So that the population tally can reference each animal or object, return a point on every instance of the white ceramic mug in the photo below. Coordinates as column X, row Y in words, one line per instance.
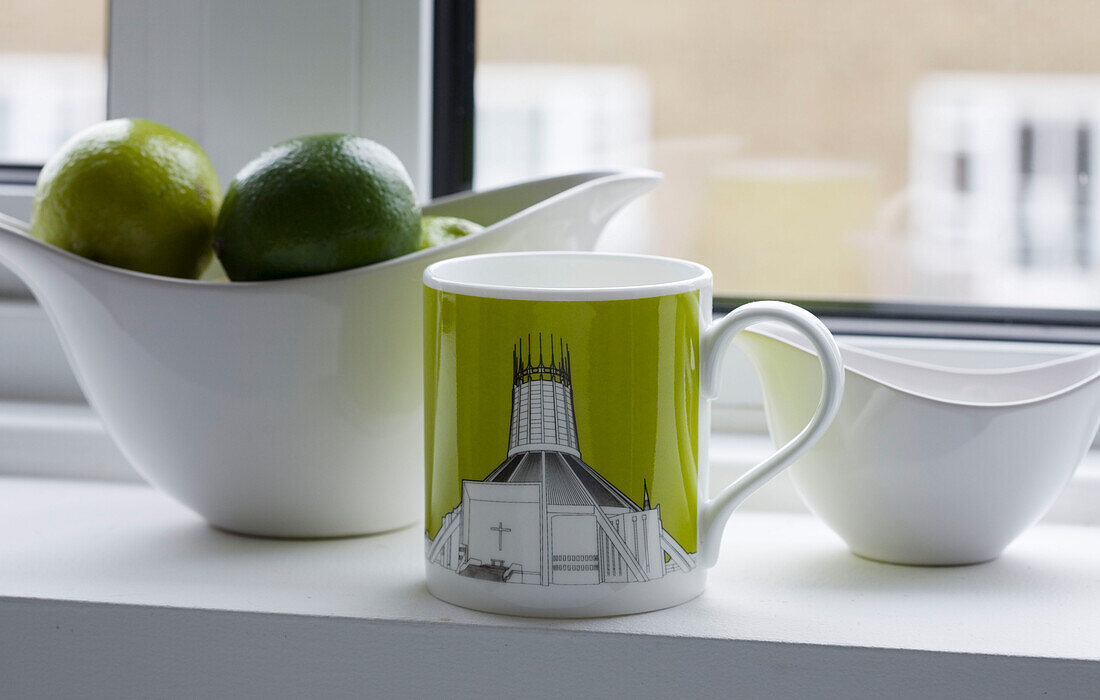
column 566, row 427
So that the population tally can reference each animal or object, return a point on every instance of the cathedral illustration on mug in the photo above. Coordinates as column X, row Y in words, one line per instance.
column 544, row 516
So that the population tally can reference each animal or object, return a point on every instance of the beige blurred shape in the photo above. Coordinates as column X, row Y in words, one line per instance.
column 788, row 226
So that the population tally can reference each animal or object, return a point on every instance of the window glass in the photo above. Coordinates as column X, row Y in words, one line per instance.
column 53, row 74
column 932, row 150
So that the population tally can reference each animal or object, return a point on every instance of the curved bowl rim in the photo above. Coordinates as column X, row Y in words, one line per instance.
column 597, row 177
column 950, row 370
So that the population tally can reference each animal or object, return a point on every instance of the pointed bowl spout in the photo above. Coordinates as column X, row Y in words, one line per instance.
column 289, row 408
column 927, row 464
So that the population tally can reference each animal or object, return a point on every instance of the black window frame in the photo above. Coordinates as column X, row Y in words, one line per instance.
column 453, row 62
column 19, row 174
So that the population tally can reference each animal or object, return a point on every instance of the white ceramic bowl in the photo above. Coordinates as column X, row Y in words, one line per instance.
column 289, row 408
column 930, row 465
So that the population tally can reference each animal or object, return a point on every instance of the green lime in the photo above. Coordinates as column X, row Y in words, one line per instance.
column 130, row 193
column 316, row 204
column 438, row 230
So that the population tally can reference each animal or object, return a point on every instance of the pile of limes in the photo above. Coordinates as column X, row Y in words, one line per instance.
column 139, row 195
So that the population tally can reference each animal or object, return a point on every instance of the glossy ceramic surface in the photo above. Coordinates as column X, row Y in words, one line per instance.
column 289, row 408
column 567, row 421
column 931, row 465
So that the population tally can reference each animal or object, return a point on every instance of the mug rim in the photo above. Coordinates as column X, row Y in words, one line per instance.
column 694, row 276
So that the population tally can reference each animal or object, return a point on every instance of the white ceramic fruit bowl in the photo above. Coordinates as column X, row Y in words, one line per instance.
column 925, row 464
column 289, row 408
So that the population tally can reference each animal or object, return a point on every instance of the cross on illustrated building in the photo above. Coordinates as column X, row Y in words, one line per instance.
column 544, row 516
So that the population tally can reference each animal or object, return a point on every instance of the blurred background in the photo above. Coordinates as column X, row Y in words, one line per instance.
column 887, row 150
column 933, row 150
column 53, row 75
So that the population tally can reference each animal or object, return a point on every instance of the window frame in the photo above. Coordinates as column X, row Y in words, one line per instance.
column 945, row 321
column 13, row 174
column 454, row 62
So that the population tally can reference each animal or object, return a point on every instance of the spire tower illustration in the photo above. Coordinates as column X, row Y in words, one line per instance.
column 542, row 402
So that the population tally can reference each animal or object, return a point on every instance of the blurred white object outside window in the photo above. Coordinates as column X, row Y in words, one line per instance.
column 1003, row 196
column 545, row 119
column 44, row 99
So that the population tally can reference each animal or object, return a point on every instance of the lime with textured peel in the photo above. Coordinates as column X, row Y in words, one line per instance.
column 316, row 204
column 130, row 193
column 438, row 230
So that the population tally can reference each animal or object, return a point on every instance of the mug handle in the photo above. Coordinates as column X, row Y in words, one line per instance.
column 715, row 340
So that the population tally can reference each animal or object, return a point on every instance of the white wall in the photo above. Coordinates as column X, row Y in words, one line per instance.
column 239, row 76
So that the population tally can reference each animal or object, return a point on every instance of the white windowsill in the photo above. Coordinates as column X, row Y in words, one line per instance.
column 131, row 593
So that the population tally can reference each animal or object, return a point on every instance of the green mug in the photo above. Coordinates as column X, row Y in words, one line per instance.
column 566, row 406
